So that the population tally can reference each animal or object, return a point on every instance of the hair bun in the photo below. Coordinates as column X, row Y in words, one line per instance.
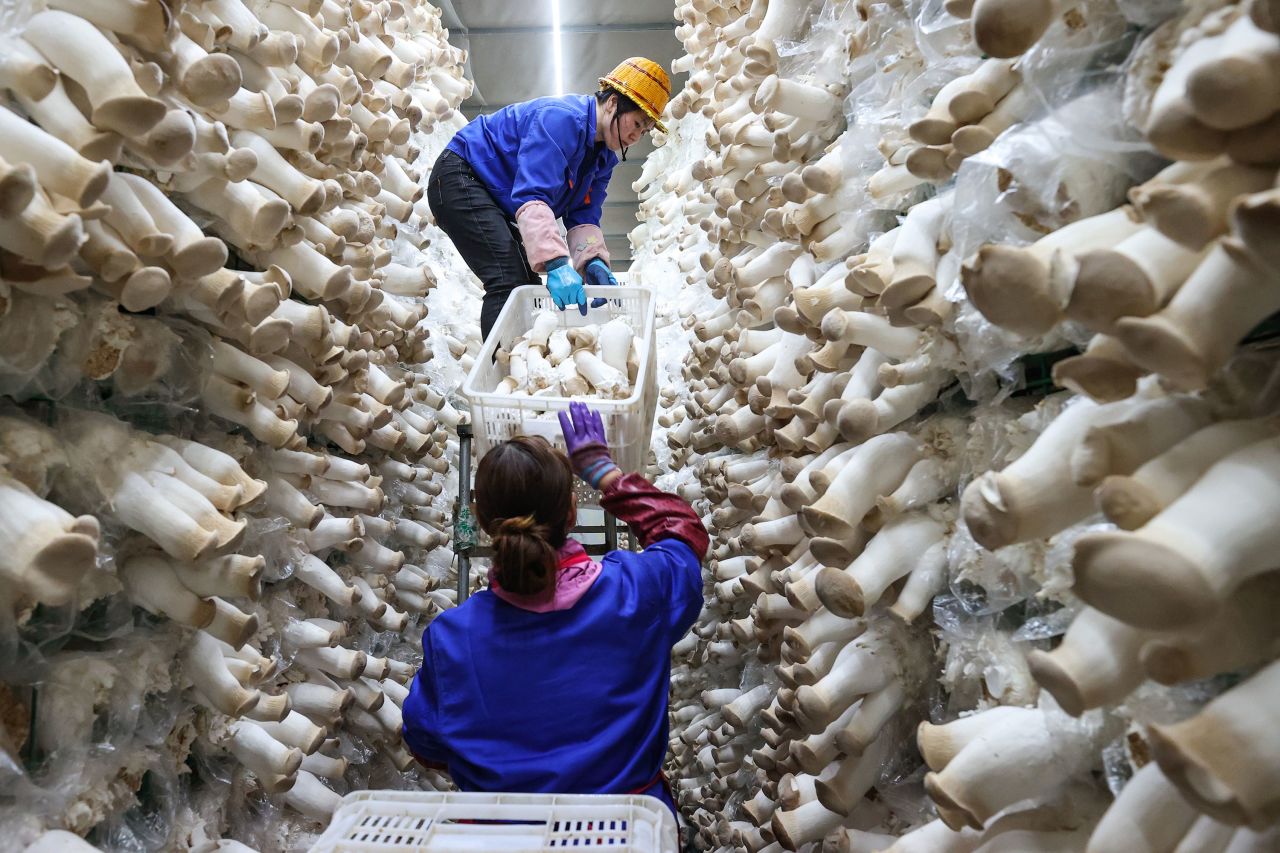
column 521, row 524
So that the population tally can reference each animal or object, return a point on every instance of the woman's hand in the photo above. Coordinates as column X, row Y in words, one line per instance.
column 585, row 440
column 598, row 273
column 565, row 285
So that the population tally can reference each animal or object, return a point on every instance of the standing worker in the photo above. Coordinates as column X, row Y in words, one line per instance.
column 555, row 679
column 502, row 182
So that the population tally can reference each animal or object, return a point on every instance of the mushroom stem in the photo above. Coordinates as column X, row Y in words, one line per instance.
column 1180, row 567
column 1222, row 759
column 1192, row 337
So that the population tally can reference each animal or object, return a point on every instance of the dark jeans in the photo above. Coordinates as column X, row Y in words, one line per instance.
column 487, row 240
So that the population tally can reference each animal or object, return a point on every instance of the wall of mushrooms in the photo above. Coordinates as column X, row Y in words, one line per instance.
column 945, row 614
column 225, row 432
column 950, row 606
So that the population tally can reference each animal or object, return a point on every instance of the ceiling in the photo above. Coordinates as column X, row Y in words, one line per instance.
column 510, row 60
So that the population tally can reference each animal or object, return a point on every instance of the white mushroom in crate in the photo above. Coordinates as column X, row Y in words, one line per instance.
column 593, row 360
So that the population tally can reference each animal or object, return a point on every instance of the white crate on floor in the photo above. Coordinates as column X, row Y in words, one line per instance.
column 431, row 821
column 627, row 423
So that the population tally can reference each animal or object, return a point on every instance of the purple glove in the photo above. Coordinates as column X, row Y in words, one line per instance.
column 585, row 441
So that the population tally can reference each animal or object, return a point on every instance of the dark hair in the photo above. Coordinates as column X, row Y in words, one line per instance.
column 524, row 501
column 625, row 104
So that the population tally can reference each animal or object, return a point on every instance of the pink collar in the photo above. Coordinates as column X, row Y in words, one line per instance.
column 576, row 575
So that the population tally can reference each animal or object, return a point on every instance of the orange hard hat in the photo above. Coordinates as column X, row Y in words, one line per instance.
column 643, row 81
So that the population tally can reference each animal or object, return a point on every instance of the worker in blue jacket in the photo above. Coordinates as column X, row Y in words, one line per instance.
column 555, row 679
column 504, row 179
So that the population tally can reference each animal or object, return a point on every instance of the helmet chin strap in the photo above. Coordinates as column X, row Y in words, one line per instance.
column 617, row 131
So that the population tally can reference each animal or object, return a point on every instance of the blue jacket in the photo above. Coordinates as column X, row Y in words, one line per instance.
column 541, row 150
column 567, row 701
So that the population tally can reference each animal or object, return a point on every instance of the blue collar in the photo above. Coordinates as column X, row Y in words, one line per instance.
column 591, row 119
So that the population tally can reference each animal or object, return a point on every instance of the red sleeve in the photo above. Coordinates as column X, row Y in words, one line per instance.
column 653, row 514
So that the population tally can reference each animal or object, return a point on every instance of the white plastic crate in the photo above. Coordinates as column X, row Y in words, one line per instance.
column 430, row 821
column 627, row 423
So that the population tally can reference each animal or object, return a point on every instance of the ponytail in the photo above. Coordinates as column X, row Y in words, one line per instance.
column 526, row 560
column 524, row 501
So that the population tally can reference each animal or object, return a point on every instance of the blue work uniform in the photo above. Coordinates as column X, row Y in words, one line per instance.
column 567, row 701
column 541, row 150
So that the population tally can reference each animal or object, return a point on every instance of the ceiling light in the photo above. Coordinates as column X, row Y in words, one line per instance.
column 555, row 47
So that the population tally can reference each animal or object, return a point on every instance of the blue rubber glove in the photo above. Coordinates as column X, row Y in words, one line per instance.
column 598, row 273
column 565, row 285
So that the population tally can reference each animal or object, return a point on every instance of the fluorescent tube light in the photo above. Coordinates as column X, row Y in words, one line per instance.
column 555, row 47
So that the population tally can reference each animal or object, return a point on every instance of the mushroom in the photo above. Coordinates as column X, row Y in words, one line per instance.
column 118, row 103
column 1216, row 759
column 1204, row 545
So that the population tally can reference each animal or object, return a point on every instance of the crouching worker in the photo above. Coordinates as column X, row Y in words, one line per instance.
column 504, row 179
column 555, row 679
